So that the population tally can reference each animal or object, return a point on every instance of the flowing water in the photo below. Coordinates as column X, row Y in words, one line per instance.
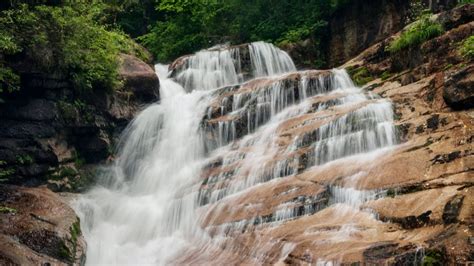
column 231, row 121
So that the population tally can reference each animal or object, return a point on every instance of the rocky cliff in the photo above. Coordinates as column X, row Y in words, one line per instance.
column 361, row 24
column 48, row 131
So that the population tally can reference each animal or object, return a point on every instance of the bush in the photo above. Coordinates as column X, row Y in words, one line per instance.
column 467, row 47
column 420, row 31
column 65, row 40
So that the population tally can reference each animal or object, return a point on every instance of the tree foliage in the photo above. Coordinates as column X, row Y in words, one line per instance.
column 184, row 26
column 66, row 39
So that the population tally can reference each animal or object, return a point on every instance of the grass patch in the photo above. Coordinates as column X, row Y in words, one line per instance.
column 4, row 209
column 420, row 31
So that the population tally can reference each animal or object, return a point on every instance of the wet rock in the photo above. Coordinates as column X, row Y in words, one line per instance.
column 139, row 78
column 458, row 91
column 446, row 158
column 411, row 222
column 379, row 252
column 452, row 209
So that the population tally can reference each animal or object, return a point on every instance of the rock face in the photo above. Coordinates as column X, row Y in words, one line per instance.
column 49, row 130
column 458, row 91
column 38, row 228
column 361, row 24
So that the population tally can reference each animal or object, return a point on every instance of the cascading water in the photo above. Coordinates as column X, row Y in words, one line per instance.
column 233, row 120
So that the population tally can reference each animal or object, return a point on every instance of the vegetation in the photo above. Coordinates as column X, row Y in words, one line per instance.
column 7, row 210
column 360, row 76
column 185, row 26
column 467, row 47
column 463, row 2
column 64, row 40
column 5, row 171
column 420, row 31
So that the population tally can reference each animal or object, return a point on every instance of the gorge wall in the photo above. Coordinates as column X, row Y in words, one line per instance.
column 355, row 27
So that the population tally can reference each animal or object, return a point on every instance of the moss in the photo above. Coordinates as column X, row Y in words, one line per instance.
column 386, row 75
column 360, row 75
column 75, row 231
column 433, row 257
column 64, row 253
column 467, row 47
column 4, row 209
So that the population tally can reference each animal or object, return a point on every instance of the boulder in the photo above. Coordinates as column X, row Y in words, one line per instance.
column 458, row 91
column 38, row 228
column 139, row 78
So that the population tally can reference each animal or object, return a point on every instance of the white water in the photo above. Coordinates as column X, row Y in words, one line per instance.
column 145, row 208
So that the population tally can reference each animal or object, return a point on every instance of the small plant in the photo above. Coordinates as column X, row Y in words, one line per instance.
column 467, row 47
column 420, row 31
column 78, row 159
column 5, row 172
column 24, row 159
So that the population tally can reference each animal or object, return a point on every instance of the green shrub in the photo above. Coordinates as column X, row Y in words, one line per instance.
column 467, row 47
column 420, row 31
column 67, row 40
column 9, row 80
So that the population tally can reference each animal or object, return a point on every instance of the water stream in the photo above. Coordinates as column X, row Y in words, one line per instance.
column 229, row 110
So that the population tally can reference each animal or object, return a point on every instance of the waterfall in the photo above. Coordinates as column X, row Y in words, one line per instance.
column 232, row 121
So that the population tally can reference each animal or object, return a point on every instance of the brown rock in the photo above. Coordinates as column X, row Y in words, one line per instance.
column 139, row 78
